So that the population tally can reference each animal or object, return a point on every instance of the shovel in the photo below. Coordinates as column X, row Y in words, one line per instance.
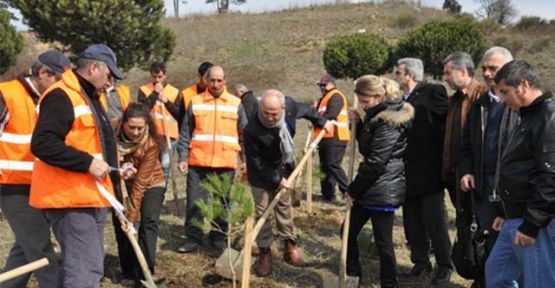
column 129, row 232
column 30, row 267
column 170, row 152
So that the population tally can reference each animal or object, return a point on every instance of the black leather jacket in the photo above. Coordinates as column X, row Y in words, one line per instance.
column 527, row 176
column 382, row 140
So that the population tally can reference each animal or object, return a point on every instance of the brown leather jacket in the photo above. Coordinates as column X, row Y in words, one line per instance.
column 149, row 174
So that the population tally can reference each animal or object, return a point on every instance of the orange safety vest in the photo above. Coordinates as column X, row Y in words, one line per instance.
column 215, row 139
column 54, row 187
column 159, row 111
column 342, row 120
column 188, row 94
column 123, row 93
column 16, row 159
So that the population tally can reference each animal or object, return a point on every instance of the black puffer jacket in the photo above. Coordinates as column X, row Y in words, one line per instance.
column 526, row 183
column 382, row 140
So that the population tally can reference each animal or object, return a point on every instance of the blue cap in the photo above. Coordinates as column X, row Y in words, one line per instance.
column 54, row 60
column 104, row 54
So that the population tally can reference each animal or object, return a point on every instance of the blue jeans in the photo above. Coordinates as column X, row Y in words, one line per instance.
column 535, row 263
column 165, row 160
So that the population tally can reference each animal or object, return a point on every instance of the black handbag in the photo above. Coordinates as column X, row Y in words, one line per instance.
column 469, row 250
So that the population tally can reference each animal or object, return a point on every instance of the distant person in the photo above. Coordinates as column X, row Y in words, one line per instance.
column 333, row 106
column 424, row 214
column 114, row 98
column 248, row 100
column 270, row 152
column 185, row 96
column 18, row 101
column 209, row 143
column 140, row 144
column 75, row 146
column 379, row 186
column 488, row 127
column 525, row 247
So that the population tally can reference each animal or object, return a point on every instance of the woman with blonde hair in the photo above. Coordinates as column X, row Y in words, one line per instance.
column 379, row 186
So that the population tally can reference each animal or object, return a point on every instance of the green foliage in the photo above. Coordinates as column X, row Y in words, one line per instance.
column 354, row 55
column 435, row 40
column 229, row 201
column 11, row 43
column 405, row 21
column 452, row 6
column 130, row 27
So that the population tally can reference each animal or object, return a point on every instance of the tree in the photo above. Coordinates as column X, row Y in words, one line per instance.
column 130, row 27
column 501, row 11
column 435, row 40
column 354, row 55
column 11, row 44
column 223, row 5
column 452, row 6
column 229, row 201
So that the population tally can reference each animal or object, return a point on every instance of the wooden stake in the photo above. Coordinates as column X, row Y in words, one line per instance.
column 170, row 152
column 247, row 253
column 27, row 268
column 308, row 179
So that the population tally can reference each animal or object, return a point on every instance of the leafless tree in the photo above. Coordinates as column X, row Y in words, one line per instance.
column 502, row 11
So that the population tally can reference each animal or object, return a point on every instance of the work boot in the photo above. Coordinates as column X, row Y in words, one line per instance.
column 188, row 246
column 264, row 264
column 291, row 254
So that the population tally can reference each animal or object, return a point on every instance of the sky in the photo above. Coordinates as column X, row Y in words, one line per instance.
column 541, row 8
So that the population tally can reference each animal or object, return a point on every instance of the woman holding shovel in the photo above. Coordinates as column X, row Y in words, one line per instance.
column 379, row 186
column 140, row 144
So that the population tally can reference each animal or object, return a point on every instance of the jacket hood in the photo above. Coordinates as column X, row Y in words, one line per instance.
column 396, row 114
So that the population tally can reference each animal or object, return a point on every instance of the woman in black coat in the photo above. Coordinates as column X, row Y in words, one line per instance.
column 379, row 187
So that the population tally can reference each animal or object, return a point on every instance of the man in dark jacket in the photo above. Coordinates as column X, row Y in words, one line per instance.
column 270, row 153
column 248, row 100
column 526, row 242
column 424, row 211
column 488, row 127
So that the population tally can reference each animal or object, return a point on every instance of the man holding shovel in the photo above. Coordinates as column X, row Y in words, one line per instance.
column 75, row 147
column 270, row 155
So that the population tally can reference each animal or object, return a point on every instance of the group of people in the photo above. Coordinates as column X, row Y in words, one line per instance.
column 72, row 139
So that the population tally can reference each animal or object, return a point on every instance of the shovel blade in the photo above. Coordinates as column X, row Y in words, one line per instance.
column 149, row 283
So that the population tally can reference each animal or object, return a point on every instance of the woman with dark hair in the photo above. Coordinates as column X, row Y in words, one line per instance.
column 379, row 187
column 140, row 145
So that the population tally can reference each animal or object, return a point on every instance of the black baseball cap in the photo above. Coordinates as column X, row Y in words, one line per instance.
column 325, row 80
column 54, row 60
column 104, row 54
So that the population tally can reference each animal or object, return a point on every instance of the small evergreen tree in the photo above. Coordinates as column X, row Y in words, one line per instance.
column 452, row 6
column 230, row 201
column 130, row 27
column 354, row 55
column 435, row 40
column 11, row 43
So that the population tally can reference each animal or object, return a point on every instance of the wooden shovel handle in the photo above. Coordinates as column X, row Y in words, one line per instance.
column 35, row 265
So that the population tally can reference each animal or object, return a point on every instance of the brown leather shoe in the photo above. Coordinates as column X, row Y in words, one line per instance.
column 291, row 254
column 264, row 264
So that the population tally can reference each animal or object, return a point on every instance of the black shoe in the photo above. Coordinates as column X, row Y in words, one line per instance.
column 420, row 268
column 443, row 275
column 188, row 246
column 219, row 244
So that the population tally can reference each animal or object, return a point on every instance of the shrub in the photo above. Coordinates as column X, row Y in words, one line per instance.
column 530, row 22
column 11, row 43
column 354, row 55
column 435, row 40
column 405, row 21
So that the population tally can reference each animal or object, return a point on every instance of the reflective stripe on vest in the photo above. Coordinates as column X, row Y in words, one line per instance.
column 215, row 139
column 54, row 187
column 16, row 159
column 342, row 120
column 159, row 111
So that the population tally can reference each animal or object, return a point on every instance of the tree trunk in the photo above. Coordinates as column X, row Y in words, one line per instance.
column 176, row 8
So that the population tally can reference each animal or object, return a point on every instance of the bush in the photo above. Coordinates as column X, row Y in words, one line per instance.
column 11, row 43
column 530, row 22
column 354, row 55
column 435, row 40
column 405, row 21
column 539, row 45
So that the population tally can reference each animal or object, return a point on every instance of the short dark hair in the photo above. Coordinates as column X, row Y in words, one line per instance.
column 517, row 70
column 461, row 60
column 203, row 67
column 156, row 67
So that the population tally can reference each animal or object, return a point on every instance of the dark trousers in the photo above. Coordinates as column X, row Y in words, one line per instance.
column 32, row 238
column 148, row 235
column 331, row 156
column 80, row 232
column 425, row 218
column 382, row 225
column 194, row 193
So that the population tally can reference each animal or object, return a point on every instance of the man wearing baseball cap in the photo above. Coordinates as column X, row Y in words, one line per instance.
column 18, row 99
column 333, row 106
column 75, row 147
